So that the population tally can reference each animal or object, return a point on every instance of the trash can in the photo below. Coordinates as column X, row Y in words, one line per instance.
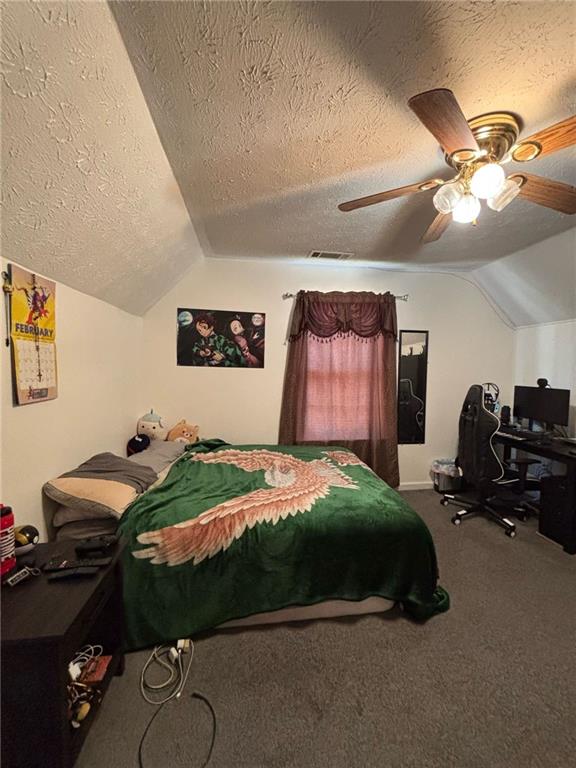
column 446, row 475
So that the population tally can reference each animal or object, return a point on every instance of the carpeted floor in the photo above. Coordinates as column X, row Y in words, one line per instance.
column 490, row 684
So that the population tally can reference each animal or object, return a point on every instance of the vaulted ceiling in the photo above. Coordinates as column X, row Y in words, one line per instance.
column 273, row 113
column 138, row 139
column 89, row 197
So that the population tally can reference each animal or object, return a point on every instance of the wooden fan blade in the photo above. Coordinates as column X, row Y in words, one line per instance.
column 551, row 194
column 439, row 111
column 437, row 228
column 551, row 139
column 390, row 194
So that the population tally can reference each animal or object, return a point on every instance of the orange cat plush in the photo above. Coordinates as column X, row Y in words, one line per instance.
column 183, row 432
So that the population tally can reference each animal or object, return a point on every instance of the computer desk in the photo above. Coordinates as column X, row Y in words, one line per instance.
column 557, row 450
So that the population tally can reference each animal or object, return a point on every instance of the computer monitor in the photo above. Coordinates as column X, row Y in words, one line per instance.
column 548, row 405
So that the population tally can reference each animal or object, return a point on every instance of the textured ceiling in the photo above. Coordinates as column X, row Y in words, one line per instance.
column 272, row 113
column 89, row 197
column 247, row 123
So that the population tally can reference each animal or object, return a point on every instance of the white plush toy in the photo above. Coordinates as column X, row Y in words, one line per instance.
column 151, row 425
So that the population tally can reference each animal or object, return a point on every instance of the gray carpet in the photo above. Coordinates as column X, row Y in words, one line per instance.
column 491, row 683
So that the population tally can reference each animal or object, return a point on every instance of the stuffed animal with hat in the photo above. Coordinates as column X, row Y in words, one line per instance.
column 151, row 425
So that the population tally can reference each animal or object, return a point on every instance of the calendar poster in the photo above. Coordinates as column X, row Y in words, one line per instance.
column 33, row 335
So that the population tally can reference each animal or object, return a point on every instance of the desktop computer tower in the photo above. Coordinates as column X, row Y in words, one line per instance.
column 557, row 509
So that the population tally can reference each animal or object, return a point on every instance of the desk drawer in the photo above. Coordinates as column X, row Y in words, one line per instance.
column 557, row 509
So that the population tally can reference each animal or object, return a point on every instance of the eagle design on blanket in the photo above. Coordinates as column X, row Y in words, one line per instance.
column 295, row 486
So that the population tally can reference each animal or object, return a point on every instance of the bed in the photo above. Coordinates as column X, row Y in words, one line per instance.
column 256, row 533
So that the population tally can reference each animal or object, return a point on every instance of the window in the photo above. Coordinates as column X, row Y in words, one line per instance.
column 340, row 400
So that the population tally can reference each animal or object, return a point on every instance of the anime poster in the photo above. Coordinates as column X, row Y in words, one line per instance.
column 33, row 335
column 221, row 339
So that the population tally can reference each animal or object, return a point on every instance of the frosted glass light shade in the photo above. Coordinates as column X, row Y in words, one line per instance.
column 467, row 209
column 505, row 196
column 487, row 181
column 448, row 197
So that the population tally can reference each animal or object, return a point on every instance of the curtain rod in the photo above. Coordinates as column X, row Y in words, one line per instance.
column 404, row 296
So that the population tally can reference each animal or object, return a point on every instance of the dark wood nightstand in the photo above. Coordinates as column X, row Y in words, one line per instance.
column 44, row 625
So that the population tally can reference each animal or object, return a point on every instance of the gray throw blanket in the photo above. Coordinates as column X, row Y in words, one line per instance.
column 107, row 466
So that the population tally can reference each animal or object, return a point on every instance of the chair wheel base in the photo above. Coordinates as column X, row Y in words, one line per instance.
column 456, row 520
column 444, row 502
column 511, row 532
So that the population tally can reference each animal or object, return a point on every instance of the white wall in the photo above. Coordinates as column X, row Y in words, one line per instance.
column 468, row 344
column 99, row 350
column 549, row 351
column 113, row 366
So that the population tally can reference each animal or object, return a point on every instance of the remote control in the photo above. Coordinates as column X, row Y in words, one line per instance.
column 59, row 564
column 75, row 573
column 98, row 544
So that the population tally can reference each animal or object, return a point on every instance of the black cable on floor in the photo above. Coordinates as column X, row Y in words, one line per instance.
column 194, row 695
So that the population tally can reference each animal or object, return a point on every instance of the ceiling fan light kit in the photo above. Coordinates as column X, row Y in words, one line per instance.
column 487, row 180
column 448, row 197
column 467, row 209
column 479, row 180
column 510, row 189
column 475, row 149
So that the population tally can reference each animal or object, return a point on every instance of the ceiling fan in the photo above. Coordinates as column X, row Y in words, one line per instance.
column 476, row 149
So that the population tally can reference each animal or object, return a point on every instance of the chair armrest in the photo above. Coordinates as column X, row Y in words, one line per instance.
column 523, row 461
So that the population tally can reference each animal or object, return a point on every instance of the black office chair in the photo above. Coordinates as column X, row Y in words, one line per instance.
column 483, row 472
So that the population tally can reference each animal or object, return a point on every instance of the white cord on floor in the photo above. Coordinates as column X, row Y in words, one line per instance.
column 175, row 683
column 169, row 657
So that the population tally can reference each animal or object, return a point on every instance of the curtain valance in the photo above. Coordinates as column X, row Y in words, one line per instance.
column 363, row 313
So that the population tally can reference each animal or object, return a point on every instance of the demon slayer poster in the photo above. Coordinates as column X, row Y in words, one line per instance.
column 219, row 339
column 33, row 335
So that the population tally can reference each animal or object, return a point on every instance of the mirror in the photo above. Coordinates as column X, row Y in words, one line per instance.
column 412, row 370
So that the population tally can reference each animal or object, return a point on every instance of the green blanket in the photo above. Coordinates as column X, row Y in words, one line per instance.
column 237, row 530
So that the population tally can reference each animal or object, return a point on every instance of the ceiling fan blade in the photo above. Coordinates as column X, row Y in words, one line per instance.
column 439, row 111
column 390, row 194
column 437, row 228
column 551, row 139
column 551, row 194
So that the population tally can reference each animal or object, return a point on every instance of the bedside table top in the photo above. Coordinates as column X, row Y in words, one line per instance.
column 38, row 609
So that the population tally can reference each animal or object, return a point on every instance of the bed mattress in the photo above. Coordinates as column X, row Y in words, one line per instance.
column 329, row 609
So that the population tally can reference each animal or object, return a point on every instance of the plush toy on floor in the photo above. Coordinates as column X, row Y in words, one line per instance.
column 183, row 432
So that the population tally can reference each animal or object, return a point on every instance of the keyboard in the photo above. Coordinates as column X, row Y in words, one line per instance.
column 525, row 434
column 512, row 436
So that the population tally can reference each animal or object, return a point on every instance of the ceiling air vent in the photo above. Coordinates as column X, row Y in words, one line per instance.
column 332, row 255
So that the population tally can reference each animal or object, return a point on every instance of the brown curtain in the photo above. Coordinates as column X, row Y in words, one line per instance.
column 340, row 382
